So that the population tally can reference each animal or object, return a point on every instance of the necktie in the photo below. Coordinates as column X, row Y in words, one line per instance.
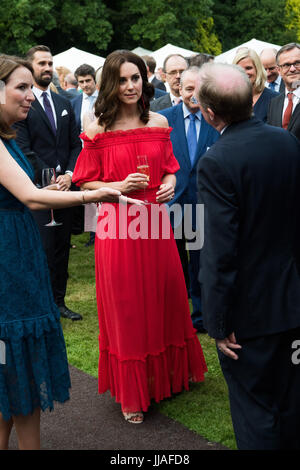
column 272, row 86
column 48, row 111
column 192, row 138
column 288, row 111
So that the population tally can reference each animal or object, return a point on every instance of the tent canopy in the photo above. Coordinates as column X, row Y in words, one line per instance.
column 258, row 46
column 141, row 51
column 73, row 58
column 160, row 54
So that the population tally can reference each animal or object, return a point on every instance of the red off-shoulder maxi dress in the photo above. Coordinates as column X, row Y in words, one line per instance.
column 148, row 346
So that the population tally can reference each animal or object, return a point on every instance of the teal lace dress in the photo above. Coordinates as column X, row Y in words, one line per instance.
column 33, row 361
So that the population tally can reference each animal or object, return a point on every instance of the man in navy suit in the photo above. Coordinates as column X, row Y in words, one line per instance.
column 49, row 136
column 179, row 118
column 250, row 261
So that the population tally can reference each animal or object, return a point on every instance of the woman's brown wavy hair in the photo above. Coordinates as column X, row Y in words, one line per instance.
column 107, row 103
column 8, row 64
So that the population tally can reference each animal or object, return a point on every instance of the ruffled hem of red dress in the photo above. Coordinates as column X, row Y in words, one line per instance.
column 130, row 132
column 134, row 383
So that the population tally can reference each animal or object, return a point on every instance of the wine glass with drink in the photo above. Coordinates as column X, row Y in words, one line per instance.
column 48, row 181
column 143, row 167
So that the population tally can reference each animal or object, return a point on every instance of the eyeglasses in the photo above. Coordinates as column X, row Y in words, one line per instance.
column 286, row 67
column 175, row 72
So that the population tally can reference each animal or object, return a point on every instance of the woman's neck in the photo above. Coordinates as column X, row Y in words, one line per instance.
column 128, row 117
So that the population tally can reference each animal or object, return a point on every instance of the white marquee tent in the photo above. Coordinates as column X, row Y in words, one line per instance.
column 258, row 46
column 73, row 57
column 160, row 54
column 141, row 51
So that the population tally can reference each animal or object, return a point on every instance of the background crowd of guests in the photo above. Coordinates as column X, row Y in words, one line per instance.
column 208, row 141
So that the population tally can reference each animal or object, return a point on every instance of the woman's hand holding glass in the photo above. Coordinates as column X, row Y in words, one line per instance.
column 134, row 182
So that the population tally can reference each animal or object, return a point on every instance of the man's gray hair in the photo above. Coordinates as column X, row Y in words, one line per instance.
column 227, row 91
column 194, row 69
column 286, row 47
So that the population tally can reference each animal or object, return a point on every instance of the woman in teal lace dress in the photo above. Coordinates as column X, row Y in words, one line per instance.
column 33, row 362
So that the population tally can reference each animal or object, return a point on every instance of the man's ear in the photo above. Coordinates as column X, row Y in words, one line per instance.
column 211, row 114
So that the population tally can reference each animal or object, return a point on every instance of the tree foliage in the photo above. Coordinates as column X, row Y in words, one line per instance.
column 238, row 21
column 100, row 26
column 292, row 19
column 24, row 23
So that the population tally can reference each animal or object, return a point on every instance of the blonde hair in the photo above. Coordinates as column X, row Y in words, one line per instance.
column 261, row 75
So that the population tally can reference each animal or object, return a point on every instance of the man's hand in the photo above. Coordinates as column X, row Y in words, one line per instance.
column 64, row 182
column 227, row 344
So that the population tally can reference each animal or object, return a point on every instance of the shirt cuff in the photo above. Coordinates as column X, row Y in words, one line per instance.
column 68, row 172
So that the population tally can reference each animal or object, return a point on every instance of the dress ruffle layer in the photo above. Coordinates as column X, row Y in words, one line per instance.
column 32, row 372
column 135, row 382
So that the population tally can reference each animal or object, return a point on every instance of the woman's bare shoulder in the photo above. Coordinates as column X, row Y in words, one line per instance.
column 93, row 129
column 157, row 120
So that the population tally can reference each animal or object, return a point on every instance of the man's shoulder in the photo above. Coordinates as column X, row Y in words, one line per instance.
column 161, row 102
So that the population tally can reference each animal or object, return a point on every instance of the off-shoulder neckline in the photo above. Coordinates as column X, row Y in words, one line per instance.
column 119, row 132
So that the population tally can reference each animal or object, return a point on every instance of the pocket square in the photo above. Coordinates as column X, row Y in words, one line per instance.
column 64, row 113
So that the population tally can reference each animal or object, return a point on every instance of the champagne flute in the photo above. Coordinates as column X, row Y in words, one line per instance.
column 143, row 167
column 49, row 179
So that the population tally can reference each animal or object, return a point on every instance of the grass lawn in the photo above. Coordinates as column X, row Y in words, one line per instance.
column 204, row 409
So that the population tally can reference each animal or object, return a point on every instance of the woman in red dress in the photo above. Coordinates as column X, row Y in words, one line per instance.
column 148, row 346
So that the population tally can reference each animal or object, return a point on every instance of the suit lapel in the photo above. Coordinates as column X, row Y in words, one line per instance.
column 202, row 140
column 278, row 110
column 58, row 111
column 294, row 116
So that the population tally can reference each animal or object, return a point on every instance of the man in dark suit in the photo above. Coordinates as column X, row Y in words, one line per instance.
column 250, row 262
column 173, row 67
column 49, row 135
column 274, row 80
column 83, row 103
column 284, row 110
column 151, row 66
column 70, row 86
column 188, row 148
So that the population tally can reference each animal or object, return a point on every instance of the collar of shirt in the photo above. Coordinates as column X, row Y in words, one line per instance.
column 38, row 92
column 296, row 92
column 85, row 96
column 187, row 112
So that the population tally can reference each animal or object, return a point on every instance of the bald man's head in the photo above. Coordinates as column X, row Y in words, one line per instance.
column 226, row 90
column 268, row 59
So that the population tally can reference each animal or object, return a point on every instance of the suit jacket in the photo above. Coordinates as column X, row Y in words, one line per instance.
column 71, row 93
column 158, row 93
column 249, row 184
column 186, row 177
column 77, row 104
column 158, row 84
column 275, row 115
column 161, row 103
column 37, row 139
